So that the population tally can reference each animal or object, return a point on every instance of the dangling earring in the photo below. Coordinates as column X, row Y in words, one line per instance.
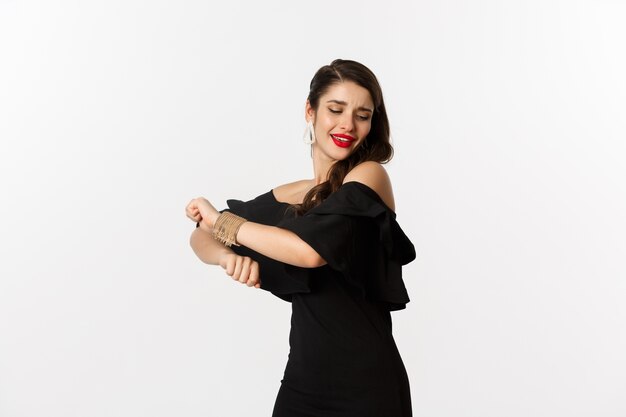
column 309, row 133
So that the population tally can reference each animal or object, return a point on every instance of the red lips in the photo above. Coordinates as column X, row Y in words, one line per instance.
column 345, row 142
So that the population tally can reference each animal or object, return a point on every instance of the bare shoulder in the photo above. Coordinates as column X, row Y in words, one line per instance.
column 292, row 192
column 375, row 176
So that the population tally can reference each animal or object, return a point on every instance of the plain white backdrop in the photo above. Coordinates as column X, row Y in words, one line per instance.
column 508, row 120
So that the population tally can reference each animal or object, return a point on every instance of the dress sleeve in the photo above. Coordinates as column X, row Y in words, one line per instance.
column 358, row 236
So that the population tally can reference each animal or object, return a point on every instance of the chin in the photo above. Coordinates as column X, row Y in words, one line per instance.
column 337, row 154
column 340, row 156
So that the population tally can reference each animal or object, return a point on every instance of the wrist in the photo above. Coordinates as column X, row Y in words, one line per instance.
column 213, row 218
column 202, row 224
column 226, row 227
column 208, row 222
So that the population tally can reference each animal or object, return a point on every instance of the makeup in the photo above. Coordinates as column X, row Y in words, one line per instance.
column 341, row 140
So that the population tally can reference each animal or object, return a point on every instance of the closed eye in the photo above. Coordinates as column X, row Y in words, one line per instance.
column 360, row 116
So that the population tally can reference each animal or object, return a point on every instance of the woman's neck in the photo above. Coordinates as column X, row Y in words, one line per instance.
column 321, row 166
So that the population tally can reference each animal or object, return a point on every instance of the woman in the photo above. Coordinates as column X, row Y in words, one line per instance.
column 332, row 247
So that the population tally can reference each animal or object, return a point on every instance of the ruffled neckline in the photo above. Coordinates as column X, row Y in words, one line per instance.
column 346, row 186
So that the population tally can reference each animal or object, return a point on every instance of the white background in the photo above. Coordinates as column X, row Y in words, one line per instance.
column 508, row 120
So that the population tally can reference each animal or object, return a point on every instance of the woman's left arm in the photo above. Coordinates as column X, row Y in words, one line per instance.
column 279, row 244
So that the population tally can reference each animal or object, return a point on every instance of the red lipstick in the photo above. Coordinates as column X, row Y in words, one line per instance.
column 341, row 140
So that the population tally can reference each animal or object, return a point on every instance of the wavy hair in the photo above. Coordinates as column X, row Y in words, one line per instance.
column 375, row 147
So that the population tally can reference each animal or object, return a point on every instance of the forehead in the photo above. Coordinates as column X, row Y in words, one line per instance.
column 349, row 92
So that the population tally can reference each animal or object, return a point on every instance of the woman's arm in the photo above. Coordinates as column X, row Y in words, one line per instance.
column 279, row 244
column 207, row 249
column 212, row 252
column 275, row 243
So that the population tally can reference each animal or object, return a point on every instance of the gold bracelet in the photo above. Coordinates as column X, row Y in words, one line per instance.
column 226, row 227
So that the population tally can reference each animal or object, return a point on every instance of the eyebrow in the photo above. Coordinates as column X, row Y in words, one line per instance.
column 344, row 103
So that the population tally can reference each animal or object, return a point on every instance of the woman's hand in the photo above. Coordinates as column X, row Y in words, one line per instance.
column 241, row 268
column 200, row 210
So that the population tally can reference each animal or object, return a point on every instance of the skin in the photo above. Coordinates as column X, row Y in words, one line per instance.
column 346, row 108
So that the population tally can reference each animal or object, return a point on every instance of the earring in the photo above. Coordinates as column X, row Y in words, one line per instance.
column 309, row 133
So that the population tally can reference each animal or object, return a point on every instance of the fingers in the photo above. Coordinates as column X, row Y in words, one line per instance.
column 231, row 262
column 200, row 210
column 192, row 211
column 239, row 267
column 243, row 269
column 253, row 279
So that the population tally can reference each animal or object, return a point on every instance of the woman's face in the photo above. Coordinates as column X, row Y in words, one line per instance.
column 342, row 120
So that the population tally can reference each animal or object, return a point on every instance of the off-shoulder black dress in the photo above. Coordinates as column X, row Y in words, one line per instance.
column 343, row 360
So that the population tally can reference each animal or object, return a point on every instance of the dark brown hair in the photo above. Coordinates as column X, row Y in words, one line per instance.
column 375, row 147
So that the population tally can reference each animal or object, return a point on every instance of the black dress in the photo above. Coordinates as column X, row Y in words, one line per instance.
column 343, row 360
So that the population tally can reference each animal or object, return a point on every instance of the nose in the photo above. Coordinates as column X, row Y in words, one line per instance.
column 347, row 122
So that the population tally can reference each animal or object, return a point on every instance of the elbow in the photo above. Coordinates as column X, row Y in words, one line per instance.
column 313, row 260
column 307, row 257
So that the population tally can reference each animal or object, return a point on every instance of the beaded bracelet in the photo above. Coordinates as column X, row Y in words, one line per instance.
column 226, row 227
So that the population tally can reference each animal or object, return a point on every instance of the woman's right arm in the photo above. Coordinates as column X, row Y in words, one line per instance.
column 212, row 252
column 207, row 249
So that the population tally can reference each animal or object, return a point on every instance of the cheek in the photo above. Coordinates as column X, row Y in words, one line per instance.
column 365, row 129
column 324, row 123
